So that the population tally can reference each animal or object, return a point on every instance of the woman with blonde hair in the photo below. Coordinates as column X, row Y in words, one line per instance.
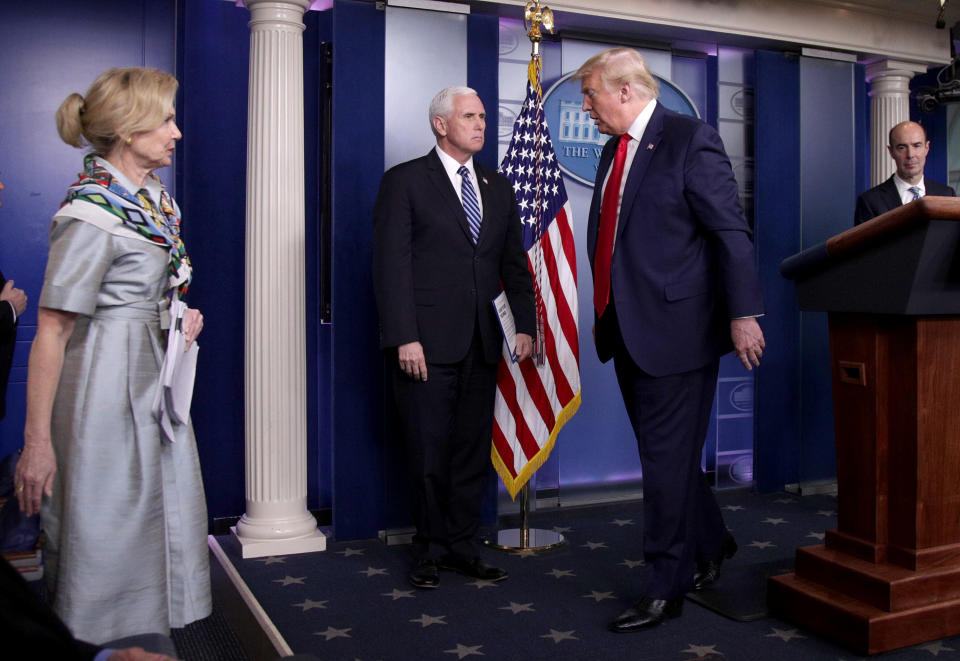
column 122, row 502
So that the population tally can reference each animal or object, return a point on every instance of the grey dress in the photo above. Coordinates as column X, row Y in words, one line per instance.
column 127, row 522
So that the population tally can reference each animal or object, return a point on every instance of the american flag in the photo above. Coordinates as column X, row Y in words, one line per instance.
column 535, row 398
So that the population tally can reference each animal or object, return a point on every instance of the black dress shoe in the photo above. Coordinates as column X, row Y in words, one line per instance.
column 473, row 567
column 425, row 574
column 647, row 613
column 708, row 572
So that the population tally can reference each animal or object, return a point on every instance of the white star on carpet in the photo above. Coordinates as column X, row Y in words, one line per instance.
column 632, row 563
column 481, row 583
column 817, row 535
column 786, row 635
column 560, row 573
column 373, row 571
column 462, row 651
column 773, row 521
column 559, row 636
column 762, row 545
column 733, row 508
column 622, row 522
column 398, row 594
column 593, row 546
column 826, row 512
column 289, row 580
column 785, row 501
column 561, row 529
column 346, row 553
column 270, row 560
column 598, row 596
column 308, row 604
column 515, row 608
column 332, row 633
column 936, row 647
column 426, row 620
column 700, row 650
column 526, row 553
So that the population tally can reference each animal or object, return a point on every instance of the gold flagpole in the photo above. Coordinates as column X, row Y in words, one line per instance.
column 525, row 538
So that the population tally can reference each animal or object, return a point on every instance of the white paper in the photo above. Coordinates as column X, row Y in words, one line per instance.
column 171, row 403
column 507, row 324
column 179, row 393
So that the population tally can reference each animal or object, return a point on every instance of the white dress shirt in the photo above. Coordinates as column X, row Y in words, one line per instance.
column 450, row 166
column 636, row 132
column 903, row 188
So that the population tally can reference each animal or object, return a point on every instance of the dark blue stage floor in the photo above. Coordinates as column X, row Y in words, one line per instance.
column 353, row 602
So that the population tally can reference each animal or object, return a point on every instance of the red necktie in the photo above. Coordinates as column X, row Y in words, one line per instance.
column 608, row 229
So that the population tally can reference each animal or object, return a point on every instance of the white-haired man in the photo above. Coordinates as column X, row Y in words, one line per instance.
column 447, row 233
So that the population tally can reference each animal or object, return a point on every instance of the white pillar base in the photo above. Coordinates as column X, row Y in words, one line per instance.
column 259, row 548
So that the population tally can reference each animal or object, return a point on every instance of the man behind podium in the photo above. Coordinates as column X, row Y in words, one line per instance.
column 447, row 233
column 675, row 287
column 909, row 148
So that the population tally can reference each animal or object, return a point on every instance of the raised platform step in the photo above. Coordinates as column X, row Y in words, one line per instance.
column 885, row 586
column 855, row 624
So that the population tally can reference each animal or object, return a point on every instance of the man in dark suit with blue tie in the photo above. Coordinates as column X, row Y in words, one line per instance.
column 908, row 148
column 12, row 304
column 675, row 287
column 447, row 233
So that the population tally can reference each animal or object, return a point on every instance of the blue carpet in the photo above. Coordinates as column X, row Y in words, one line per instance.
column 353, row 602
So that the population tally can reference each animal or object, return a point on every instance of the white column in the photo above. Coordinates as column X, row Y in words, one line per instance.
column 889, row 105
column 277, row 520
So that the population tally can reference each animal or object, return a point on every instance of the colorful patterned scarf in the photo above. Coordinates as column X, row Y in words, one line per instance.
column 98, row 186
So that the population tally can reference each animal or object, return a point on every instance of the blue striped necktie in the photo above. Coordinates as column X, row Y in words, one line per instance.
column 916, row 192
column 471, row 206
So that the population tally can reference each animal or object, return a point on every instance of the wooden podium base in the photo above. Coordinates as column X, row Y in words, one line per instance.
column 889, row 575
column 868, row 607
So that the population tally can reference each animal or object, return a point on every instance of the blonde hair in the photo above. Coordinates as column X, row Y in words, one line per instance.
column 618, row 66
column 119, row 104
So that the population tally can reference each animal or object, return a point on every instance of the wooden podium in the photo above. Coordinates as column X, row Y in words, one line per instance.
column 889, row 575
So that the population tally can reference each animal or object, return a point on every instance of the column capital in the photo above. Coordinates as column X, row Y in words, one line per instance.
column 277, row 12
column 884, row 67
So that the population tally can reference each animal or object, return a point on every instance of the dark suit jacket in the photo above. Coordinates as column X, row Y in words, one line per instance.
column 432, row 284
column 683, row 262
column 8, row 337
column 29, row 628
column 884, row 197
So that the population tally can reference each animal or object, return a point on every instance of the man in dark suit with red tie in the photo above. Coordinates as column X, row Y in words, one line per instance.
column 12, row 304
column 447, row 233
column 908, row 148
column 675, row 287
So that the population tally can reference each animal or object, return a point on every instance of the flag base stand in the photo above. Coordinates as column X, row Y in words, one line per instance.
column 525, row 538
column 518, row 539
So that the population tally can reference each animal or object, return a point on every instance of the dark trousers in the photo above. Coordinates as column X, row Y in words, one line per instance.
column 447, row 424
column 682, row 523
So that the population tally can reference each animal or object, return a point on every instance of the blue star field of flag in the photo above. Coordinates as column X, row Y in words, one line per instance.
column 531, row 166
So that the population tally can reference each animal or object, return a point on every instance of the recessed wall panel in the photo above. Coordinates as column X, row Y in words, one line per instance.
column 424, row 51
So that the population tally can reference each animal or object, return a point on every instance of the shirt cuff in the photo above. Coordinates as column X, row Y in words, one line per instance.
column 749, row 316
column 14, row 310
column 104, row 654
